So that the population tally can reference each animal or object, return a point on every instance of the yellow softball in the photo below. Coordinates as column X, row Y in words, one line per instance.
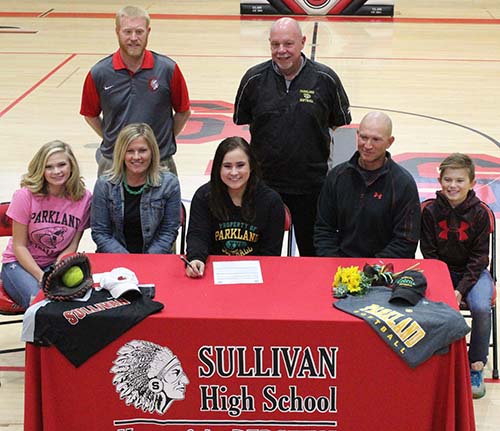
column 73, row 276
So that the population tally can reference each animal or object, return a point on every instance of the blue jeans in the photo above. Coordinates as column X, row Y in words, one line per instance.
column 479, row 302
column 19, row 284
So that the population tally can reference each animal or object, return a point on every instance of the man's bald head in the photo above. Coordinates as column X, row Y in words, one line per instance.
column 381, row 119
column 374, row 137
column 286, row 24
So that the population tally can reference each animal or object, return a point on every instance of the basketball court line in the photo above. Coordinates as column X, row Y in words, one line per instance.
column 326, row 57
column 336, row 18
column 12, row 31
column 34, row 87
column 314, row 43
column 44, row 14
column 11, row 369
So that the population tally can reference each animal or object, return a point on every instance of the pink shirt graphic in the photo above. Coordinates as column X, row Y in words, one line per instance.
column 52, row 223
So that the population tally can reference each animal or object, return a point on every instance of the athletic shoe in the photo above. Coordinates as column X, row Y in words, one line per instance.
column 477, row 382
column 7, row 305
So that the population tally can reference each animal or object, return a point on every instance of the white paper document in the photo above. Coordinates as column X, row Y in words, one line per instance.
column 237, row 272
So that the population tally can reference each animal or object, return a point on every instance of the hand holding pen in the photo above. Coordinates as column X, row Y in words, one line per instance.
column 195, row 268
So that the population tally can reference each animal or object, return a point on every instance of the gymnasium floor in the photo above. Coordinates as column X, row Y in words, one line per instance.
column 434, row 69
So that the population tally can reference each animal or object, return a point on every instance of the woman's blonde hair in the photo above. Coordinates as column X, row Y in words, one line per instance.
column 126, row 136
column 35, row 181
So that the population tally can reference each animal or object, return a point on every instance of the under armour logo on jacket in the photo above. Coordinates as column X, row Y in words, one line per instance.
column 462, row 234
column 377, row 195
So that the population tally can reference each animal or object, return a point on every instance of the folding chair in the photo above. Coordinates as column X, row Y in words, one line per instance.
column 289, row 229
column 493, row 272
column 7, row 305
column 183, row 228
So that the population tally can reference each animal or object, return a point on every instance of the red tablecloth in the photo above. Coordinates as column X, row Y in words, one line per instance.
column 286, row 360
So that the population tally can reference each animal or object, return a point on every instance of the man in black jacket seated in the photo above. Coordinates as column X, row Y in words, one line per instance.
column 369, row 205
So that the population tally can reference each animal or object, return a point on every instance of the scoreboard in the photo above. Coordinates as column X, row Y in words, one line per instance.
column 318, row 7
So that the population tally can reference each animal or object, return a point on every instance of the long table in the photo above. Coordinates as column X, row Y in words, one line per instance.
column 270, row 356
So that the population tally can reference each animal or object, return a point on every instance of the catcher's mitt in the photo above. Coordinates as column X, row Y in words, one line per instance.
column 56, row 289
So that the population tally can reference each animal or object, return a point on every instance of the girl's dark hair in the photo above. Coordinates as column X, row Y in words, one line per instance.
column 218, row 190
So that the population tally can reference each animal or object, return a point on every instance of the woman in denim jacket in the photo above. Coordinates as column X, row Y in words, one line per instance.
column 136, row 205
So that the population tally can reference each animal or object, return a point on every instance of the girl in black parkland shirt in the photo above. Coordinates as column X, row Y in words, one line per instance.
column 234, row 214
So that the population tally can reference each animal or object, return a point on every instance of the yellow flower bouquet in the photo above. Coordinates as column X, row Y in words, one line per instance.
column 353, row 281
column 350, row 280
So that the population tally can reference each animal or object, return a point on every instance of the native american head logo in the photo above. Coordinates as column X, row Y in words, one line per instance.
column 148, row 376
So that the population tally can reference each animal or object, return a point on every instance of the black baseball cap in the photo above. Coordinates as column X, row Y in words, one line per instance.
column 409, row 287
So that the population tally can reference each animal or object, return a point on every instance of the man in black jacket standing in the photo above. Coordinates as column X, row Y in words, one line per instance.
column 369, row 205
column 290, row 102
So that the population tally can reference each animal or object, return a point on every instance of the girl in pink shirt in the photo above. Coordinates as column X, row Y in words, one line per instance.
column 49, row 213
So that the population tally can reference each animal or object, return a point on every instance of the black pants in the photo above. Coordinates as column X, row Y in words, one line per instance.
column 303, row 210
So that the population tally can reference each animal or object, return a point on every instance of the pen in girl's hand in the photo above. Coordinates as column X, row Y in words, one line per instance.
column 187, row 263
